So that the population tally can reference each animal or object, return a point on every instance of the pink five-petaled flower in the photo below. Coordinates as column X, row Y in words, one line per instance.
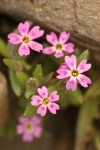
column 70, row 70
column 59, row 44
column 26, row 38
column 45, row 101
column 29, row 128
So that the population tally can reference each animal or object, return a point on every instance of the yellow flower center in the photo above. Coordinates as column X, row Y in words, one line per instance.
column 26, row 39
column 28, row 127
column 45, row 101
column 58, row 47
column 74, row 73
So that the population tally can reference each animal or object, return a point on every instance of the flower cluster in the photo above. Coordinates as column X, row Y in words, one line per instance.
column 29, row 128
column 44, row 101
column 26, row 38
column 59, row 44
column 69, row 69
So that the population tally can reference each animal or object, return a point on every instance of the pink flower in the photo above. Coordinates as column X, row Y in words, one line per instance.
column 59, row 44
column 70, row 70
column 44, row 101
column 26, row 38
column 29, row 128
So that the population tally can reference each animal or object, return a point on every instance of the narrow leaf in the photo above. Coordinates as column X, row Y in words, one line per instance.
column 87, row 114
column 14, row 83
column 30, row 110
column 14, row 64
column 28, row 93
column 3, row 48
column 84, row 55
column 75, row 98
column 37, row 74
column 22, row 78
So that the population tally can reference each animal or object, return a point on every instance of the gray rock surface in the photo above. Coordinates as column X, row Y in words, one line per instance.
column 3, row 100
column 80, row 17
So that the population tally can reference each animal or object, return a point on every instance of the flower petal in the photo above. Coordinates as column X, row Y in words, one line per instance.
column 48, row 50
column 19, row 129
column 43, row 92
column 14, row 38
column 23, row 28
column 83, row 66
column 69, row 48
column 53, row 107
column 36, row 100
column 35, row 46
column 23, row 50
column 63, row 38
column 42, row 110
column 22, row 119
column 83, row 80
column 63, row 73
column 71, row 84
column 52, row 38
column 35, row 33
column 27, row 137
column 71, row 61
column 37, row 132
column 58, row 54
column 53, row 96
column 64, row 66
column 36, row 120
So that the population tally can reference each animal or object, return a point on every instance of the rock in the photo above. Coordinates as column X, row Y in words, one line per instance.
column 80, row 17
column 3, row 100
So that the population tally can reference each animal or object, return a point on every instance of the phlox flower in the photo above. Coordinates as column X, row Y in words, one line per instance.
column 74, row 74
column 26, row 38
column 44, row 101
column 29, row 128
column 59, row 45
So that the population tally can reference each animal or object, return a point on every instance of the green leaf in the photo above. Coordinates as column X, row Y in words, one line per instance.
column 75, row 98
column 87, row 114
column 97, row 138
column 9, row 63
column 94, row 90
column 70, row 98
column 45, row 44
column 22, row 103
column 14, row 83
column 28, row 93
column 47, row 79
column 26, row 66
column 30, row 110
column 22, row 78
column 13, row 64
column 63, row 99
column 37, row 74
column 52, row 88
column 84, row 55
column 31, row 86
column 3, row 48
column 77, row 52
